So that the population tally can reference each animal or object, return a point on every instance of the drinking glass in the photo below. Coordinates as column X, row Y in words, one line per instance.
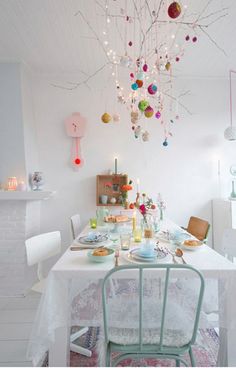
column 125, row 240
column 93, row 223
column 137, row 235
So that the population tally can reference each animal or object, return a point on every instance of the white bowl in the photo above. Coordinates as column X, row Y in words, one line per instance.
column 100, row 259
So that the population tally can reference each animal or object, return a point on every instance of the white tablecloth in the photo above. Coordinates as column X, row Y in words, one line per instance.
column 74, row 275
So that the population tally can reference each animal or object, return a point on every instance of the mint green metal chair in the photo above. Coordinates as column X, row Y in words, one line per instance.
column 145, row 341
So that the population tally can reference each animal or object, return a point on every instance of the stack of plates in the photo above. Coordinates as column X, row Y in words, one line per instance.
column 138, row 255
column 87, row 239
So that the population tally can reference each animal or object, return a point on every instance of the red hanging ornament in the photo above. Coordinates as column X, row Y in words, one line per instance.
column 174, row 10
column 77, row 161
column 130, row 43
column 194, row 39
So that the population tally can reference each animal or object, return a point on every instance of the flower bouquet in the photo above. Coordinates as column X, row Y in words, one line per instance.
column 144, row 209
column 124, row 193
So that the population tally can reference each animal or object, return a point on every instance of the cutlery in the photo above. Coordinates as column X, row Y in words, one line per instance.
column 179, row 253
column 117, row 258
column 77, row 247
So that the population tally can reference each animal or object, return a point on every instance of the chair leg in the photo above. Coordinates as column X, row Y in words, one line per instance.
column 78, row 349
column 192, row 357
column 177, row 362
column 108, row 356
column 77, row 334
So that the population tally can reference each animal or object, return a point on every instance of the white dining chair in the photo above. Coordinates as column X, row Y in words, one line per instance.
column 38, row 249
column 229, row 244
column 75, row 225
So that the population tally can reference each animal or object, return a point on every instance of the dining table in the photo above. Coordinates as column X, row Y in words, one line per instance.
column 72, row 296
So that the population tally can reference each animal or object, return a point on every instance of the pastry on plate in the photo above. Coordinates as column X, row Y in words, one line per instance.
column 192, row 243
column 100, row 252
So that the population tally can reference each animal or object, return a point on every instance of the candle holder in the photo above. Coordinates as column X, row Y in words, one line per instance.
column 12, row 183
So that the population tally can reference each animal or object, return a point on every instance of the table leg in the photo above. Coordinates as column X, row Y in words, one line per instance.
column 227, row 317
column 59, row 351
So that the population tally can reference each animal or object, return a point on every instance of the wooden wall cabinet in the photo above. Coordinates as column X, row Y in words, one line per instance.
column 110, row 186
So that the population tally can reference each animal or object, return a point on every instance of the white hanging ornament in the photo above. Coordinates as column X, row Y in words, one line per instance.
column 137, row 131
column 145, row 136
column 126, row 61
column 230, row 133
column 116, row 118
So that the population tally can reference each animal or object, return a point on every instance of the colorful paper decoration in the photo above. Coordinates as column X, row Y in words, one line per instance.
column 174, row 10
column 106, row 118
column 75, row 128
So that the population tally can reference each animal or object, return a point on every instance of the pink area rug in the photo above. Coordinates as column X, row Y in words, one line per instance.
column 205, row 352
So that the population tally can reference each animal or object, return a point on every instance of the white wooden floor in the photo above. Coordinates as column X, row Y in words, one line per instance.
column 16, row 317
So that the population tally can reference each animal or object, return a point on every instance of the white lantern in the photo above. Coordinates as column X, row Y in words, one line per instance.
column 230, row 133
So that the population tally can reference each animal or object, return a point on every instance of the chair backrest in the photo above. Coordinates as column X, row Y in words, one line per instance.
column 43, row 246
column 198, row 227
column 75, row 225
column 229, row 243
column 144, row 310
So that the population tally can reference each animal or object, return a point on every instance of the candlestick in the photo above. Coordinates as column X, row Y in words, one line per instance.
column 138, row 182
column 134, row 221
column 115, row 165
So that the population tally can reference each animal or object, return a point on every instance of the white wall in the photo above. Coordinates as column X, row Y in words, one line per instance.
column 12, row 155
column 185, row 172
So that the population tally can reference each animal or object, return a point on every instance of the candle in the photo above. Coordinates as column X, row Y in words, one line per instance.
column 138, row 235
column 138, row 182
column 115, row 165
column 21, row 186
column 12, row 183
column 134, row 221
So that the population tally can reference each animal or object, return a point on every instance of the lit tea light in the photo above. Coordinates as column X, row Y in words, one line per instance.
column 12, row 183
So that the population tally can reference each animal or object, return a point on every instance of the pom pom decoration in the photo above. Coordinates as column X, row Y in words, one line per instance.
column 139, row 82
column 106, row 118
column 167, row 66
column 187, row 38
column 77, row 161
column 143, row 104
column 130, row 43
column 137, row 131
column 116, row 118
column 158, row 115
column 140, row 75
column 134, row 117
column 177, row 59
column 134, row 86
column 145, row 136
column 149, row 112
column 194, row 39
column 145, row 68
column 174, row 10
column 152, row 89
column 131, row 75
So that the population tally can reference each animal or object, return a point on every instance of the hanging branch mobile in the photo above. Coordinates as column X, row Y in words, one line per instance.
column 150, row 90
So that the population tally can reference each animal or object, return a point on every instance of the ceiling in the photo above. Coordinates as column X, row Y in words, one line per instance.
column 47, row 36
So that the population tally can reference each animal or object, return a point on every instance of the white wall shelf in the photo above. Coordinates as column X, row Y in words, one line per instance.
column 26, row 196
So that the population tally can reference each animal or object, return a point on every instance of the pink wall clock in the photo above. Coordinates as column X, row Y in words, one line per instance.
column 75, row 128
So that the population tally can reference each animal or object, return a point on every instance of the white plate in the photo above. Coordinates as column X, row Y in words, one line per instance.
column 84, row 239
column 130, row 258
column 194, row 247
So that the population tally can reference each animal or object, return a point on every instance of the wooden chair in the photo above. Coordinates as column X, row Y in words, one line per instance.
column 156, row 340
column 198, row 228
column 38, row 249
column 229, row 244
column 75, row 225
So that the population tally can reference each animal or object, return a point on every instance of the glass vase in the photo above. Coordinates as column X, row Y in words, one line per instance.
column 147, row 226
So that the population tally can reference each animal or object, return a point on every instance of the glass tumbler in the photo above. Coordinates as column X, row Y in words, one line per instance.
column 125, row 240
